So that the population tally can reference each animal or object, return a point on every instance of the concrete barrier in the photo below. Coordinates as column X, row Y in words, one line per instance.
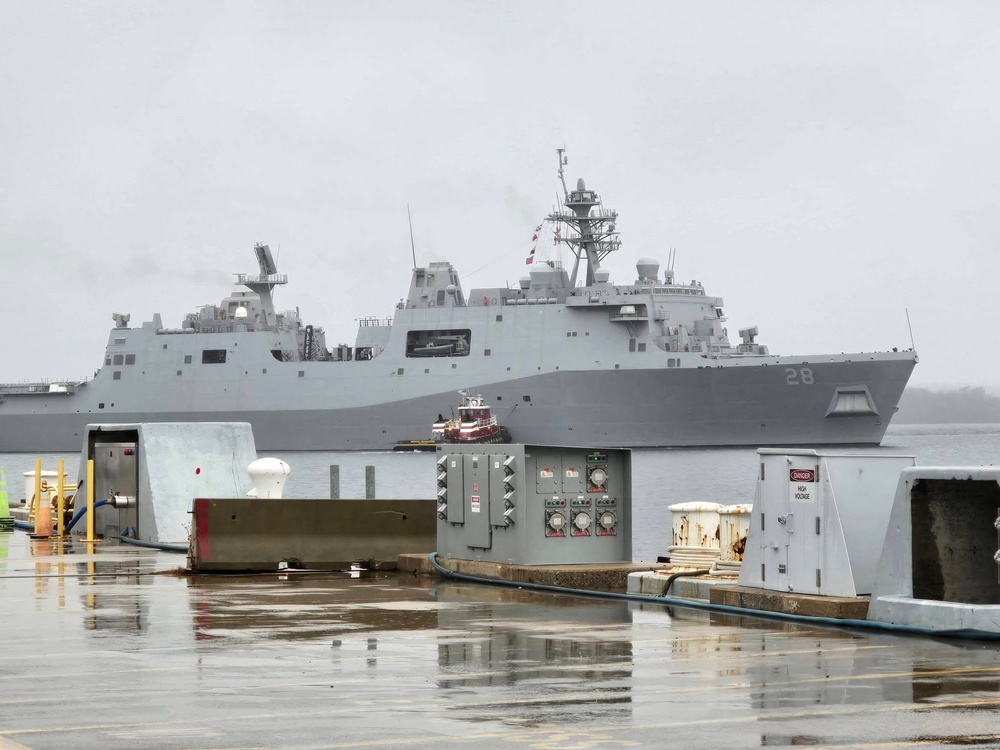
column 257, row 533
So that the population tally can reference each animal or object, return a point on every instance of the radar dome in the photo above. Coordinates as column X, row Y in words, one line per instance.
column 451, row 289
column 241, row 312
column 524, row 281
column 648, row 268
column 601, row 275
column 541, row 272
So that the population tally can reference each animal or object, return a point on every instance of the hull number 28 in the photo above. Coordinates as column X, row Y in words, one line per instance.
column 801, row 376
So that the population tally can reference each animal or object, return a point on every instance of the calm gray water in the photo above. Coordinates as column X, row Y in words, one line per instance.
column 660, row 477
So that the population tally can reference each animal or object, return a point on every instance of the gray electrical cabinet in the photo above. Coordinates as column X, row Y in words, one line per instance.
column 534, row 505
column 818, row 521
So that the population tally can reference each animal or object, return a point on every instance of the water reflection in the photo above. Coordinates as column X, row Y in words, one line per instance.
column 110, row 590
column 793, row 666
column 306, row 606
column 546, row 654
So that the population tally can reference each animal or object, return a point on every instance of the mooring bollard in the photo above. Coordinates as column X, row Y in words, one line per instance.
column 369, row 482
column 334, row 482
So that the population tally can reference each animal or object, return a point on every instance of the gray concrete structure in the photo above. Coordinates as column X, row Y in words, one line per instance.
column 259, row 534
column 163, row 467
column 940, row 563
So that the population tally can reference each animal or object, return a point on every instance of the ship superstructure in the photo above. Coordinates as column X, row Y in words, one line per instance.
column 563, row 357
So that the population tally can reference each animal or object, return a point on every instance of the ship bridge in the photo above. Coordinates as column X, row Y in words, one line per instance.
column 437, row 285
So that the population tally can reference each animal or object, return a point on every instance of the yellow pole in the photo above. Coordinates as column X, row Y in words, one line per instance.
column 36, row 504
column 90, row 500
column 60, row 498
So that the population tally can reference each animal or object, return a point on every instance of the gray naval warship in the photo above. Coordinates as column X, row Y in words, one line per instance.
column 566, row 357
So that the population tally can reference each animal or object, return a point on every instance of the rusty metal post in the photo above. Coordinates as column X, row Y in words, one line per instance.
column 334, row 482
column 369, row 482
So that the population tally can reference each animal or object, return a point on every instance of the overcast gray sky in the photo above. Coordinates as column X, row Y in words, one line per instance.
column 822, row 166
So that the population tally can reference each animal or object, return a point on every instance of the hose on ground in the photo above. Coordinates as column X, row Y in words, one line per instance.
column 81, row 513
column 674, row 601
column 153, row 545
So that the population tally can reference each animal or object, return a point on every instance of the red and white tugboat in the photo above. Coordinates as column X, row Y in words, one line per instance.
column 475, row 424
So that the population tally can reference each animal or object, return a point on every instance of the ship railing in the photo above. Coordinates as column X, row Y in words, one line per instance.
column 675, row 289
column 258, row 278
column 47, row 386
column 607, row 214
column 372, row 322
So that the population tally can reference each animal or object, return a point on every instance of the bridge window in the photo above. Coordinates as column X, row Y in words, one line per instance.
column 213, row 356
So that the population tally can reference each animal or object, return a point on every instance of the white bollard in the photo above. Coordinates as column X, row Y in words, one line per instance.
column 268, row 476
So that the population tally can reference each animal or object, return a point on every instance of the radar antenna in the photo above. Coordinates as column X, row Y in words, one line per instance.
column 913, row 347
column 592, row 227
column 563, row 161
column 413, row 248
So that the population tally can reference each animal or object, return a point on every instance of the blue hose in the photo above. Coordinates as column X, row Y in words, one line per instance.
column 81, row 513
column 726, row 608
column 153, row 545
column 129, row 540
column 76, row 517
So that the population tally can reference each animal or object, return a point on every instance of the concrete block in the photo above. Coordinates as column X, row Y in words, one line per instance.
column 810, row 605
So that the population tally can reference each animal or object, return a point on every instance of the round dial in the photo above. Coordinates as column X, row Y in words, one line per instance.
column 598, row 477
column 557, row 521
column 582, row 521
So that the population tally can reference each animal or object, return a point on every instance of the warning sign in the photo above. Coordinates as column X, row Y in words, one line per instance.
column 572, row 473
column 546, row 473
column 802, row 485
column 475, row 503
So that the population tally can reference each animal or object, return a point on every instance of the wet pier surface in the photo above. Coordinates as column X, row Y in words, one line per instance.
column 116, row 650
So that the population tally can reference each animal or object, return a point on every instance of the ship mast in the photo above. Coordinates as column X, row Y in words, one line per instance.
column 593, row 227
column 264, row 283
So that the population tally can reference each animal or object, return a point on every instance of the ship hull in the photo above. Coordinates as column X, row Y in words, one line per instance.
column 719, row 404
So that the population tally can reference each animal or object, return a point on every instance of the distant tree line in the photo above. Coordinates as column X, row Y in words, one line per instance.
column 961, row 406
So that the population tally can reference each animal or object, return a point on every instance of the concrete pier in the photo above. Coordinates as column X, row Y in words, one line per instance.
column 115, row 648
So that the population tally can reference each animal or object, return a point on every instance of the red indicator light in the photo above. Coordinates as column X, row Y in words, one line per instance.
column 128, row 452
